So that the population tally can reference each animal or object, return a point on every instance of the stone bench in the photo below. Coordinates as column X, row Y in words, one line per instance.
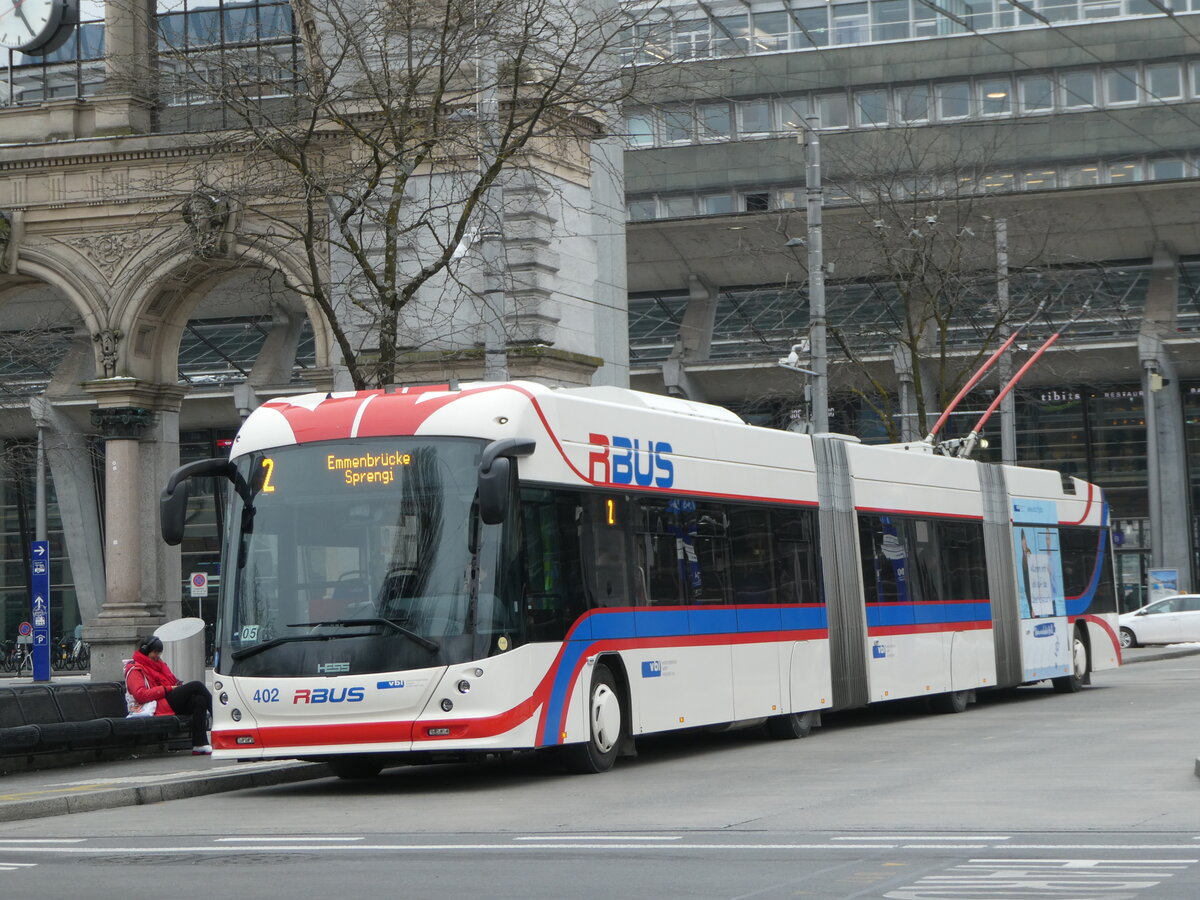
column 65, row 724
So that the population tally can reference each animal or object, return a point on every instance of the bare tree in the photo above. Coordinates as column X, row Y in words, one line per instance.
column 381, row 158
column 915, row 246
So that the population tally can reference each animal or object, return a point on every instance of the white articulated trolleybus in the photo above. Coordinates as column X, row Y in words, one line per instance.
column 417, row 574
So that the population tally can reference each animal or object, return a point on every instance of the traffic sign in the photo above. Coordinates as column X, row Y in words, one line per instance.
column 39, row 601
column 24, row 629
column 199, row 582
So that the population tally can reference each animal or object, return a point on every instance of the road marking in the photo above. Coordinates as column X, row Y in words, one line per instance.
column 42, row 840
column 599, row 837
column 260, row 840
column 1063, row 879
column 918, row 837
column 309, row 845
column 12, row 867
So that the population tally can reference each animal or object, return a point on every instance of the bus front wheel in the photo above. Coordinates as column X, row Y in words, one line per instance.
column 606, row 719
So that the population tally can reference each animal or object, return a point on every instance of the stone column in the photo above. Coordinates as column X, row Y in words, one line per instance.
column 126, row 103
column 139, row 424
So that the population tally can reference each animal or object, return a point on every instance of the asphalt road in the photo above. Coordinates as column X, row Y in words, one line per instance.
column 1027, row 794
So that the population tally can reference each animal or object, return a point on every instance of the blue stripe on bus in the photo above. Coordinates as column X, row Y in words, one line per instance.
column 667, row 622
column 884, row 615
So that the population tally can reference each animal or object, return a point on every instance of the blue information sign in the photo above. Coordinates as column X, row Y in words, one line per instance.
column 40, row 565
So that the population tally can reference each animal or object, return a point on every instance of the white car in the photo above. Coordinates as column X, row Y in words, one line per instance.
column 1172, row 620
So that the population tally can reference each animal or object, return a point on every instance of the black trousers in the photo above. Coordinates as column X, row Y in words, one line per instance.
column 192, row 699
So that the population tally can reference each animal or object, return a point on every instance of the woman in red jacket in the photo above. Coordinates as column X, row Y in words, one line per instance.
column 149, row 679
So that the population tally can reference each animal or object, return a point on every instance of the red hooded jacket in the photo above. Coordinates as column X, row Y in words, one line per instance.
column 148, row 680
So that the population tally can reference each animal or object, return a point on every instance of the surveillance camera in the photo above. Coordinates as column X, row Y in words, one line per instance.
column 795, row 242
column 931, row 220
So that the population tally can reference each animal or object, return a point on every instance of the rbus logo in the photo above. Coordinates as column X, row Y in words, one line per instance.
column 329, row 695
column 624, row 461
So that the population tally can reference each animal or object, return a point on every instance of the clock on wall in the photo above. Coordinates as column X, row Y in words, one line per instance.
column 37, row 27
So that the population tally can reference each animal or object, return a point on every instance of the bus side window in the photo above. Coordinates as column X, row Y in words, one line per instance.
column 605, row 551
column 553, row 576
column 796, row 560
column 753, row 569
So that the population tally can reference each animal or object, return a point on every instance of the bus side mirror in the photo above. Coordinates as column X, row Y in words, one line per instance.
column 495, row 476
column 172, row 503
column 493, row 491
column 172, row 508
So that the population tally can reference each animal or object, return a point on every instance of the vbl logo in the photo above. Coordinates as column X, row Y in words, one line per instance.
column 329, row 695
column 624, row 461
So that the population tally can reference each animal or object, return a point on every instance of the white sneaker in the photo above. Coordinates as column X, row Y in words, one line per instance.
column 202, row 750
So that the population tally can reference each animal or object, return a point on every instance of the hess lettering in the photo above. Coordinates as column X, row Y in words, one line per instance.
column 625, row 460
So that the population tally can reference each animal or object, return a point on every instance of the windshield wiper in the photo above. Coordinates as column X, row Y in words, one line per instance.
column 425, row 642
column 245, row 652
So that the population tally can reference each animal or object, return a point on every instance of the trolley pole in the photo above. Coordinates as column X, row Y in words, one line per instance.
column 816, row 276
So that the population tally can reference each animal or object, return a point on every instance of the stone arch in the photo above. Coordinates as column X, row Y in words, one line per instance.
column 169, row 286
column 66, row 276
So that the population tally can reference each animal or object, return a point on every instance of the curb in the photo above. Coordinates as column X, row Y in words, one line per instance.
column 1162, row 654
column 178, row 789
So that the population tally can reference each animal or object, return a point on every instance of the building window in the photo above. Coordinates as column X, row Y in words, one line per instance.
column 870, row 108
column 954, row 100
column 1196, row 79
column 677, row 207
column 641, row 210
column 677, row 126
column 814, row 26
column 831, row 110
column 1039, row 179
column 1037, row 93
column 690, row 39
column 1078, row 89
column 995, row 96
column 912, row 104
column 759, row 201
column 1166, row 169
column 1059, row 10
column 716, row 204
column 715, row 122
column 770, row 32
column 1121, row 173
column 1101, row 9
column 1163, row 82
column 754, row 118
column 889, row 20
column 851, row 23
column 639, row 130
column 1080, row 176
column 1120, row 86
column 792, row 112
column 731, row 35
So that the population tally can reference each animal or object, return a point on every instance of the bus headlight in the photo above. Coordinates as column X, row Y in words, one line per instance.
column 224, row 698
column 236, row 715
column 464, row 687
column 447, row 705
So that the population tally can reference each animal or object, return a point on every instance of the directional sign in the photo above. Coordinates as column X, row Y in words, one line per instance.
column 40, row 602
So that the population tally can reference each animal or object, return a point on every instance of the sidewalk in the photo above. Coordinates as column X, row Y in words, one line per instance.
column 174, row 776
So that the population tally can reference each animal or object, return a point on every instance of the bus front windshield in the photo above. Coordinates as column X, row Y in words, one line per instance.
column 365, row 556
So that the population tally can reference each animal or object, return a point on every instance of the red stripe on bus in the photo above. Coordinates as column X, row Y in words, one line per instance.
column 879, row 510
column 1087, row 509
column 930, row 628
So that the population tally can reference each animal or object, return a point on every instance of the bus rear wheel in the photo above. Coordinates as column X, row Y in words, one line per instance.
column 606, row 722
column 791, row 726
column 953, row 702
column 1080, row 666
column 354, row 768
